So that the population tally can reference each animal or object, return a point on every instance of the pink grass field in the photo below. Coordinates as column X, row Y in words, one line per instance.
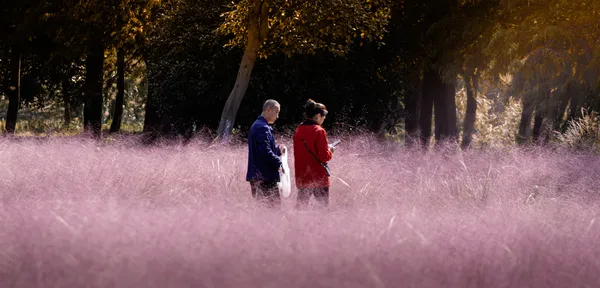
column 77, row 214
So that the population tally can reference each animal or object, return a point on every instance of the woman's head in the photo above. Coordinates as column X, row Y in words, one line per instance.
column 315, row 111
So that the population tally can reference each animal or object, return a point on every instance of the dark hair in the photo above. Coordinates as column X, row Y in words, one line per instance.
column 313, row 108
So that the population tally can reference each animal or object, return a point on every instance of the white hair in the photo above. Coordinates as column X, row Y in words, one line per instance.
column 270, row 104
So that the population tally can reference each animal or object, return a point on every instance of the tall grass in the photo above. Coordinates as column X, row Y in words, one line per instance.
column 582, row 133
column 75, row 213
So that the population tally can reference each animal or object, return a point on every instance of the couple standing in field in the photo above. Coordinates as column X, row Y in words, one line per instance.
column 311, row 154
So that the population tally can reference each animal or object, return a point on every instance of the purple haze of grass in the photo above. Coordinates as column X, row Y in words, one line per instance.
column 75, row 214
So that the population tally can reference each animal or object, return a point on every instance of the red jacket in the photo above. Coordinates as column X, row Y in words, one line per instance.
column 309, row 172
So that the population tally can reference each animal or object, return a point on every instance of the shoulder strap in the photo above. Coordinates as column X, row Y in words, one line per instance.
column 311, row 153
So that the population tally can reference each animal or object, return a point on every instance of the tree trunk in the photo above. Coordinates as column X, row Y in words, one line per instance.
column 257, row 20
column 14, row 96
column 543, row 114
column 525, row 124
column 66, row 94
column 118, row 113
column 92, row 113
column 451, row 130
column 429, row 90
column 438, row 112
column 411, row 119
column 7, row 71
column 471, row 113
column 561, row 108
column 444, row 107
column 575, row 106
column 538, row 122
column 87, row 127
column 151, row 118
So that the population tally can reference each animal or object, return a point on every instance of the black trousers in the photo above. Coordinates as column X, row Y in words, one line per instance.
column 321, row 195
column 266, row 192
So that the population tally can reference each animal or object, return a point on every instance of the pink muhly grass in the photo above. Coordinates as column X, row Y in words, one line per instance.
column 78, row 214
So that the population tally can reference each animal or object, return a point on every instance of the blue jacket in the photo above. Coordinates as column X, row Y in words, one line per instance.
column 263, row 154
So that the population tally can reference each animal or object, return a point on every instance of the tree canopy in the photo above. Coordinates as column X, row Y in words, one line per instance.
column 389, row 66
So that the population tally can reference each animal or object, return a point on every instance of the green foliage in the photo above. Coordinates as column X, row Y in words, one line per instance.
column 305, row 27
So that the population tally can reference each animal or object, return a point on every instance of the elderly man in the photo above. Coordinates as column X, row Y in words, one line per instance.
column 264, row 163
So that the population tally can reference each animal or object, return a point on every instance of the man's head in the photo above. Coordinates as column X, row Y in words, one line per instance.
column 271, row 110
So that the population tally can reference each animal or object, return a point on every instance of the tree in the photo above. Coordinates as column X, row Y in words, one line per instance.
column 184, row 58
column 552, row 48
column 265, row 27
column 103, row 24
column 15, row 24
column 118, row 112
column 446, row 33
column 133, row 20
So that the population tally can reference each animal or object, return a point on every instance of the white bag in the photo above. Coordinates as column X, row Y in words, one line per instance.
column 285, row 184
